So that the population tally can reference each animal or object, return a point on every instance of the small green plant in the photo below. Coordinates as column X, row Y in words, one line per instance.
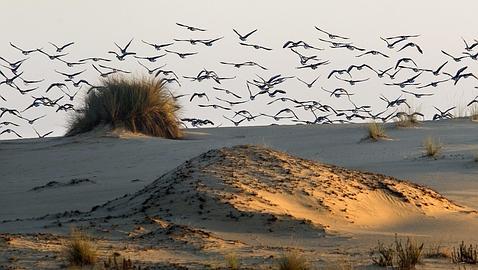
column 465, row 254
column 376, row 131
column 432, row 147
column 383, row 255
column 80, row 250
column 232, row 262
column 292, row 261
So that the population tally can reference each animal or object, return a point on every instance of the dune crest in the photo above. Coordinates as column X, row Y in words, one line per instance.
column 266, row 189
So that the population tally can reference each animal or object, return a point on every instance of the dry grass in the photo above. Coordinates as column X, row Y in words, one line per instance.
column 408, row 254
column 376, row 131
column 232, row 262
column 137, row 105
column 80, row 250
column 398, row 255
column 383, row 255
column 292, row 261
column 465, row 254
column 473, row 113
column 407, row 120
column 437, row 251
column 432, row 146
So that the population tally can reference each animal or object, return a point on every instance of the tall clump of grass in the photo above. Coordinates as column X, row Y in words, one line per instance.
column 292, row 261
column 80, row 250
column 383, row 255
column 376, row 131
column 432, row 147
column 465, row 254
column 138, row 105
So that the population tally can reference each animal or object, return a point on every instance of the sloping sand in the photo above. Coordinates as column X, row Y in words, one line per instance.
column 249, row 200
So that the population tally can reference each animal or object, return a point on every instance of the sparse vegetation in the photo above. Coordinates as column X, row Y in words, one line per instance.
column 408, row 254
column 376, row 131
column 437, row 251
column 398, row 255
column 465, row 254
column 405, row 120
column 383, row 255
column 80, row 250
column 118, row 263
column 432, row 147
column 474, row 113
column 232, row 262
column 292, row 261
column 137, row 105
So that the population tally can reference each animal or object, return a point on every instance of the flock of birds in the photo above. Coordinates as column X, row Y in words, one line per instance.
column 60, row 95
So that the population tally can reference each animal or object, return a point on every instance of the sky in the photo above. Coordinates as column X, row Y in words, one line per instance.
column 94, row 26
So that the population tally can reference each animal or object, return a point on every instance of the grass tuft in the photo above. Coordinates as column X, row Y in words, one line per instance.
column 383, row 255
column 137, row 105
column 376, row 131
column 408, row 254
column 432, row 147
column 292, row 261
column 80, row 251
column 465, row 254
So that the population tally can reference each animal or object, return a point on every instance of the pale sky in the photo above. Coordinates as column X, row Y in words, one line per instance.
column 95, row 25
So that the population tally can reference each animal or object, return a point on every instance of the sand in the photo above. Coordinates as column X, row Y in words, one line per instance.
column 271, row 190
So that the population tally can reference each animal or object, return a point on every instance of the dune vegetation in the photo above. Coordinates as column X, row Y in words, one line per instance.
column 136, row 105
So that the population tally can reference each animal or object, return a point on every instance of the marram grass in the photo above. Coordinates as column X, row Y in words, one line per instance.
column 137, row 105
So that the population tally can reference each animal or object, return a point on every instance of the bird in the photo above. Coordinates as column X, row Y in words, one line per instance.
column 412, row 45
column 210, row 42
column 24, row 52
column 150, row 58
column 309, row 85
column 294, row 44
column 359, row 67
column 78, row 83
column 151, row 71
column 215, row 106
column 475, row 100
column 13, row 112
column 44, row 135
column 457, row 75
column 14, row 64
column 255, row 46
column 52, row 56
column 70, row 76
column 392, row 44
column 352, row 82
column 244, row 37
column 418, row 95
column 436, row 72
column 229, row 92
column 11, row 131
column 191, row 28
column 432, row 84
column 94, row 59
column 238, row 65
column 7, row 123
column 314, row 65
column 58, row 85
column 231, row 103
column 331, row 36
column 469, row 47
column 182, row 55
column 32, row 121
column 199, row 95
column 236, row 123
column 72, row 64
column 443, row 114
column 456, row 59
column 338, row 92
column 404, row 60
column 103, row 74
column 340, row 72
column 59, row 49
column 286, row 110
column 275, row 92
column 373, row 52
column 157, row 46
column 71, row 97
column 10, row 81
